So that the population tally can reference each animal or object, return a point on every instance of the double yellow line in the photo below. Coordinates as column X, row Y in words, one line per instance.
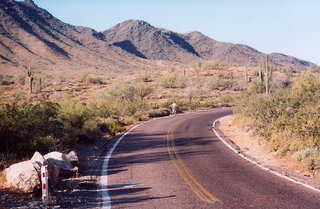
column 195, row 185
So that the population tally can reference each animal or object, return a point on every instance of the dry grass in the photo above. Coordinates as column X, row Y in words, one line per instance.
column 78, row 85
column 2, row 180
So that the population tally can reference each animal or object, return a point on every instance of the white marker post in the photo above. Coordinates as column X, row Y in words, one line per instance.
column 45, row 184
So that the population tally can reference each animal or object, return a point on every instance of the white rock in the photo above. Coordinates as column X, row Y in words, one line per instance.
column 59, row 159
column 37, row 161
column 22, row 176
column 73, row 158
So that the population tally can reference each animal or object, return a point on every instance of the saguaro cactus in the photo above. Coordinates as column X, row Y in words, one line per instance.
column 40, row 84
column 265, row 75
column 268, row 75
column 246, row 77
column 30, row 74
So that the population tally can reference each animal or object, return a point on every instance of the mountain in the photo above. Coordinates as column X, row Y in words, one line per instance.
column 143, row 40
column 140, row 38
column 239, row 54
column 31, row 36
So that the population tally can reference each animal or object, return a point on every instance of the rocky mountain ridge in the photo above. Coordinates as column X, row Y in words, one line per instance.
column 31, row 36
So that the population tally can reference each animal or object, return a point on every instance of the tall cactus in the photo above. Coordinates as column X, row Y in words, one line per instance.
column 30, row 74
column 268, row 75
column 40, row 84
column 265, row 75
column 261, row 75
column 246, row 77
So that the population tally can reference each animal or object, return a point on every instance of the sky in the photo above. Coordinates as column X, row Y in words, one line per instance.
column 290, row 27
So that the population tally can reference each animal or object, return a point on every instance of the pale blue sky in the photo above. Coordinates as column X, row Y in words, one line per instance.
column 291, row 27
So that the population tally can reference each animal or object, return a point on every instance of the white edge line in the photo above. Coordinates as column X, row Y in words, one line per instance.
column 257, row 164
column 104, row 192
column 106, row 200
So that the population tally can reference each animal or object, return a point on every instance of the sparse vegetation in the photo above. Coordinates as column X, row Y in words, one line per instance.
column 289, row 118
column 25, row 127
column 95, row 80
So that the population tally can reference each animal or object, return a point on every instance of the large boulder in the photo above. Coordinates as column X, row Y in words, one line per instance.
column 60, row 160
column 37, row 161
column 22, row 177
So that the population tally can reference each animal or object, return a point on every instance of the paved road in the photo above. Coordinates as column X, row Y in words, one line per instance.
column 177, row 162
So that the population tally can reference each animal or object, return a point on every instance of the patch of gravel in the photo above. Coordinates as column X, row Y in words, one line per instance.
column 76, row 192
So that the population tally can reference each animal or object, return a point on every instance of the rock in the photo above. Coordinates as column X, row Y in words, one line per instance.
column 73, row 158
column 37, row 161
column 22, row 177
column 58, row 159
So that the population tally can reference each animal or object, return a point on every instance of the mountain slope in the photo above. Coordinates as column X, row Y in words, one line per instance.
column 239, row 54
column 142, row 39
column 31, row 36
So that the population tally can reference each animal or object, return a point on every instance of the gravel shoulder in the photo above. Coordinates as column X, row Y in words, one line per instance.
column 256, row 149
column 77, row 192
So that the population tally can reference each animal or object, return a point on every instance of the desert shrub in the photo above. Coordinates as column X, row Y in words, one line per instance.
column 169, row 80
column 95, row 80
column 193, row 92
column 122, row 100
column 142, row 90
column 159, row 112
column 6, row 80
column 75, row 118
column 26, row 127
column 223, row 101
column 182, row 104
column 82, row 76
column 73, row 114
column 217, row 82
column 143, row 77
column 114, row 126
column 289, row 118
column 21, row 79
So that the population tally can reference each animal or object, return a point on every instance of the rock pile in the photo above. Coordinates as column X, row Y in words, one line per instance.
column 25, row 176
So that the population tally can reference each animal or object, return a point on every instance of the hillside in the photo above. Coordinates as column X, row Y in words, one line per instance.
column 144, row 40
column 31, row 37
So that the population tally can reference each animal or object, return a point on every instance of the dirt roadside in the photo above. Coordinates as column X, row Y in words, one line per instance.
column 256, row 149
column 78, row 192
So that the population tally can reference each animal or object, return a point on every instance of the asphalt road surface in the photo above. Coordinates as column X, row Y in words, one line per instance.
column 178, row 162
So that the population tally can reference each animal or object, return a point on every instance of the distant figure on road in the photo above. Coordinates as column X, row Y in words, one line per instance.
column 174, row 108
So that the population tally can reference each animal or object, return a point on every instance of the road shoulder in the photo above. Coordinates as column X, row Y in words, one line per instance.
column 256, row 149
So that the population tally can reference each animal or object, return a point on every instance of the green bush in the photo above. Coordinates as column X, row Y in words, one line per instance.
column 114, row 126
column 159, row 112
column 169, row 80
column 75, row 118
column 289, row 118
column 122, row 99
column 217, row 82
column 24, row 127
column 95, row 80
column 182, row 104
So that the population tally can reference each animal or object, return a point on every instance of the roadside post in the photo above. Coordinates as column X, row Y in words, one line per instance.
column 45, row 185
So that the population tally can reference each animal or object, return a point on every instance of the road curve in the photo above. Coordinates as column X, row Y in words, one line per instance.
column 177, row 162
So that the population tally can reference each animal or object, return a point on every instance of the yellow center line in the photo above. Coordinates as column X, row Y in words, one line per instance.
column 195, row 185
